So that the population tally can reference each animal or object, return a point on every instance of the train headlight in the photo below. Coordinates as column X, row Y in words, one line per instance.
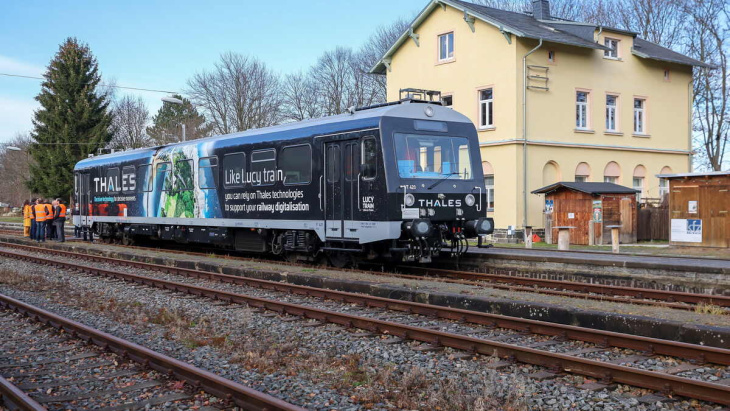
column 421, row 228
column 470, row 200
column 486, row 226
column 409, row 199
column 431, row 212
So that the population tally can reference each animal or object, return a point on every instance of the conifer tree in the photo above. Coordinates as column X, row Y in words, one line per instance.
column 73, row 121
column 167, row 123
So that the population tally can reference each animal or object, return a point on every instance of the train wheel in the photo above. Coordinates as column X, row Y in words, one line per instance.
column 127, row 239
column 340, row 259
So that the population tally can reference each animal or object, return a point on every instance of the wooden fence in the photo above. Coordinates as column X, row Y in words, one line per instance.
column 653, row 223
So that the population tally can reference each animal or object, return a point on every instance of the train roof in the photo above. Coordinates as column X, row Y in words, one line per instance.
column 325, row 125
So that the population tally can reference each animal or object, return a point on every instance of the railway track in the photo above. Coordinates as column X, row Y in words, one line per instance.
column 629, row 295
column 51, row 362
column 510, row 338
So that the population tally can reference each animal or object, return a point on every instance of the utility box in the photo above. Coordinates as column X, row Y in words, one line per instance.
column 590, row 208
column 699, row 204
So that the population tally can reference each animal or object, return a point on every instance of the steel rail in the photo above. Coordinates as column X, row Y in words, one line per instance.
column 610, row 290
column 598, row 297
column 14, row 398
column 692, row 352
column 218, row 386
column 603, row 371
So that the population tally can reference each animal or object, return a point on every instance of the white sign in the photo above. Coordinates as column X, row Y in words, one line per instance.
column 686, row 231
column 571, row 215
column 409, row 213
column 692, row 207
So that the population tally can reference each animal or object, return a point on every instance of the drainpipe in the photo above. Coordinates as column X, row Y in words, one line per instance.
column 690, row 95
column 525, row 80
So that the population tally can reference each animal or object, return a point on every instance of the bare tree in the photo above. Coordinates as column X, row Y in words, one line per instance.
column 659, row 21
column 374, row 49
column 707, row 40
column 333, row 77
column 130, row 120
column 15, row 171
column 301, row 99
column 240, row 93
column 564, row 9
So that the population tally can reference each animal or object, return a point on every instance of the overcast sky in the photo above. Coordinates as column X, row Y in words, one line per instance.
column 160, row 44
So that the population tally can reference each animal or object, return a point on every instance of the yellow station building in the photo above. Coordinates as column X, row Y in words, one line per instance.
column 553, row 100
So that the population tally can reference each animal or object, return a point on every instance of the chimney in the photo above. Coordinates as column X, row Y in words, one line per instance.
column 541, row 9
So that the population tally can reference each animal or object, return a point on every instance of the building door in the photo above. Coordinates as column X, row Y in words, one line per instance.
column 627, row 235
column 341, row 182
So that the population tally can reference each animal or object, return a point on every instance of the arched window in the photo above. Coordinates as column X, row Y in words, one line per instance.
column 612, row 172
column 639, row 179
column 582, row 173
column 663, row 182
column 550, row 173
column 489, row 184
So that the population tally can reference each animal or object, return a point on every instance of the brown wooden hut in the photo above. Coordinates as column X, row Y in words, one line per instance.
column 699, row 208
column 591, row 208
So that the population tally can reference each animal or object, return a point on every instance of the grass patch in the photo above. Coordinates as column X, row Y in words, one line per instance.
column 11, row 219
column 710, row 309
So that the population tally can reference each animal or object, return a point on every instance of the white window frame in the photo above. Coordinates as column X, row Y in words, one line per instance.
column 612, row 110
column 489, row 191
column 640, row 116
column 582, row 111
column 486, row 123
column 581, row 179
column 610, row 179
column 663, row 187
column 613, row 44
column 639, row 187
column 449, row 54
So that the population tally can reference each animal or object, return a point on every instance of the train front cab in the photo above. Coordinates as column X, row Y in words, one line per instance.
column 435, row 185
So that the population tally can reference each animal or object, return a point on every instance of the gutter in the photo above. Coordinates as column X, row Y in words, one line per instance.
column 524, row 133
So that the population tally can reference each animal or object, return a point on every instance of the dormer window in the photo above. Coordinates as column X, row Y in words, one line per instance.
column 612, row 44
column 446, row 46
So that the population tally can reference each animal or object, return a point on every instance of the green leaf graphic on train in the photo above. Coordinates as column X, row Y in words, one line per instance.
column 178, row 186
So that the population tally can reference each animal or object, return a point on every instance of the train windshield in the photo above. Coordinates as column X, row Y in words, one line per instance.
column 422, row 156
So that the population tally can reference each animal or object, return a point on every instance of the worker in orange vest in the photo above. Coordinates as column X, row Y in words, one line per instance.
column 27, row 214
column 41, row 213
column 59, row 219
column 32, row 219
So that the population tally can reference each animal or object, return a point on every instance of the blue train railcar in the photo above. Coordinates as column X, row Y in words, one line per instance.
column 399, row 181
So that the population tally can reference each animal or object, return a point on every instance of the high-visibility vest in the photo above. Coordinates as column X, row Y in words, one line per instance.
column 49, row 212
column 62, row 211
column 28, row 212
column 40, row 212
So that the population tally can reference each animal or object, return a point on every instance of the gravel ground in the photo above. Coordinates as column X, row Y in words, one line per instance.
column 426, row 285
column 70, row 374
column 322, row 367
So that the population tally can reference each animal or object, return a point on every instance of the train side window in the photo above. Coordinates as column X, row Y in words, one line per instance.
column 144, row 178
column 369, row 158
column 112, row 180
column 183, row 175
column 163, row 176
column 263, row 167
column 208, row 172
column 129, row 179
column 333, row 163
column 234, row 166
column 296, row 163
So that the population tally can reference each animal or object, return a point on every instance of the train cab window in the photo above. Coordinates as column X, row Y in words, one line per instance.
column 208, row 172
column 296, row 164
column 333, row 163
column 163, row 176
column 112, row 180
column 433, row 157
column 234, row 167
column 263, row 167
column 144, row 178
column 369, row 154
column 129, row 179
column 183, row 172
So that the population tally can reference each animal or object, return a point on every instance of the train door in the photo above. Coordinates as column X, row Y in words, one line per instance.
column 341, row 179
column 84, row 198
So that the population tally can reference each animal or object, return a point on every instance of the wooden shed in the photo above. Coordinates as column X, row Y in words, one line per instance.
column 592, row 208
column 699, row 204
